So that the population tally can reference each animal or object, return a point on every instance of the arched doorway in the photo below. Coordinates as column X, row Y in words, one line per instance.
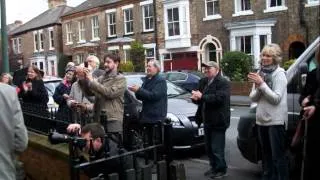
column 296, row 49
column 210, row 49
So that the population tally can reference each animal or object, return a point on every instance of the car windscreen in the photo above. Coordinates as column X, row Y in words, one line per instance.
column 173, row 90
column 51, row 86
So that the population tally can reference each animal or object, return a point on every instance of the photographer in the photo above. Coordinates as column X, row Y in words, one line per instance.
column 95, row 133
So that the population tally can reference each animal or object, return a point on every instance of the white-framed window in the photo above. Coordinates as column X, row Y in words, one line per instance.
column 244, row 44
column 95, row 28
column 128, row 21
column 263, row 41
column 16, row 45
column 150, row 51
column 79, row 58
column 311, row 3
column 112, row 31
column 167, row 56
column 242, row 7
column 113, row 49
column 173, row 21
column 69, row 33
column 51, row 39
column 82, row 31
column 212, row 10
column 38, row 40
column 148, row 17
column 275, row 5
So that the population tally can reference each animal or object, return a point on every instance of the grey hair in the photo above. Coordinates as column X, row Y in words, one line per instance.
column 156, row 63
column 274, row 51
column 95, row 59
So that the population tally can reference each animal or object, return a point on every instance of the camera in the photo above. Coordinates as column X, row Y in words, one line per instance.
column 57, row 138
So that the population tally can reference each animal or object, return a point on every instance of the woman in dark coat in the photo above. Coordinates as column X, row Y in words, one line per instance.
column 311, row 105
column 61, row 94
column 32, row 90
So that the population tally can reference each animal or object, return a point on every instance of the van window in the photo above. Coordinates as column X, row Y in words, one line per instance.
column 295, row 86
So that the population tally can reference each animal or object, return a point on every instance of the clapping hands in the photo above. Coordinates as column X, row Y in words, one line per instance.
column 196, row 95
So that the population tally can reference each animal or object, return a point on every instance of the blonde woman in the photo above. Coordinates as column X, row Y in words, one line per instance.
column 6, row 78
column 270, row 93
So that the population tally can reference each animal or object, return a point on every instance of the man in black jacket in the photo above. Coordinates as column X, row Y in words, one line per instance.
column 213, row 99
column 153, row 94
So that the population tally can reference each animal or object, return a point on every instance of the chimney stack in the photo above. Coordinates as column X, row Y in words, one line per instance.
column 55, row 3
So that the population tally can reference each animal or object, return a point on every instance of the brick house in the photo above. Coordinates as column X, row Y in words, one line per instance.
column 38, row 41
column 10, row 28
column 192, row 31
column 99, row 27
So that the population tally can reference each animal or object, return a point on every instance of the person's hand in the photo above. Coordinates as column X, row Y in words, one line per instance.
column 255, row 78
column 65, row 96
column 134, row 88
column 27, row 86
column 305, row 101
column 74, row 128
column 82, row 107
column 73, row 104
column 88, row 74
column 196, row 95
column 309, row 112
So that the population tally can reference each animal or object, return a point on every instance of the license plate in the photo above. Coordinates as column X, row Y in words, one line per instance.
column 200, row 131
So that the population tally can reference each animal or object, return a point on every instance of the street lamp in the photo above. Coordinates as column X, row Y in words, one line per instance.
column 4, row 37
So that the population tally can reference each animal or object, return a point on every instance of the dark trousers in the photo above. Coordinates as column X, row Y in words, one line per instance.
column 273, row 145
column 215, row 145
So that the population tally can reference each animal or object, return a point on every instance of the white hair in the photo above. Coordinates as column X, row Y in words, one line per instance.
column 95, row 59
column 156, row 63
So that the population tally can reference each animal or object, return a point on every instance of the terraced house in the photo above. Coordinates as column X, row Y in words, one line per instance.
column 192, row 31
column 101, row 26
column 38, row 41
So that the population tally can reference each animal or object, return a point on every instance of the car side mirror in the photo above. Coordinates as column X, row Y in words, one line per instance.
column 303, row 68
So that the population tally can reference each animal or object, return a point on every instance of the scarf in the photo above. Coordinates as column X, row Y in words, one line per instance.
column 266, row 74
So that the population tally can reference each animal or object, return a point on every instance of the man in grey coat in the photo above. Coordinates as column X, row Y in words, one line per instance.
column 13, row 133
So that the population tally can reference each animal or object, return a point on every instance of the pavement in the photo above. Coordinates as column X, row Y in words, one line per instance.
column 195, row 169
column 237, row 100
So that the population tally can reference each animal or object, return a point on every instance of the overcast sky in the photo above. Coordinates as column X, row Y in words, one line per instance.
column 25, row 10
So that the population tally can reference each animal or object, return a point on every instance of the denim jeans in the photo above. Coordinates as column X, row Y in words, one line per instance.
column 215, row 145
column 274, row 160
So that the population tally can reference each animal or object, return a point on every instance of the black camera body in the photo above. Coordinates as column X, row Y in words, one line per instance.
column 57, row 138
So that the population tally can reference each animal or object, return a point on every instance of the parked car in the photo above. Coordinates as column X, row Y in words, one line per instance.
column 181, row 111
column 296, row 74
column 185, row 79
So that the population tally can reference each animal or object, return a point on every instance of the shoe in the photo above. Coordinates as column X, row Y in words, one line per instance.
column 209, row 172
column 218, row 175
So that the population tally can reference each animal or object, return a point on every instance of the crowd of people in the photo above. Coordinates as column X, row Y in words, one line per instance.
column 89, row 91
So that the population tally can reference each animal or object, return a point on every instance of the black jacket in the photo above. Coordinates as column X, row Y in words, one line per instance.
column 38, row 94
column 216, row 98
column 153, row 94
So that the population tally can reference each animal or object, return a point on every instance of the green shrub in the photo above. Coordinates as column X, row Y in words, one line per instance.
column 236, row 65
column 288, row 63
column 126, row 67
column 137, row 56
column 62, row 62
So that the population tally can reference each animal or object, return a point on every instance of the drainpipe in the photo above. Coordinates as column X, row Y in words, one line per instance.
column 303, row 20
column 156, row 28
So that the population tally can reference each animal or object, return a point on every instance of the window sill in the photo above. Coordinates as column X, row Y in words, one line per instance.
column 51, row 49
column 111, row 36
column 312, row 4
column 69, row 43
column 81, row 42
column 127, row 34
column 212, row 17
column 242, row 13
column 147, row 30
column 95, row 40
column 275, row 9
